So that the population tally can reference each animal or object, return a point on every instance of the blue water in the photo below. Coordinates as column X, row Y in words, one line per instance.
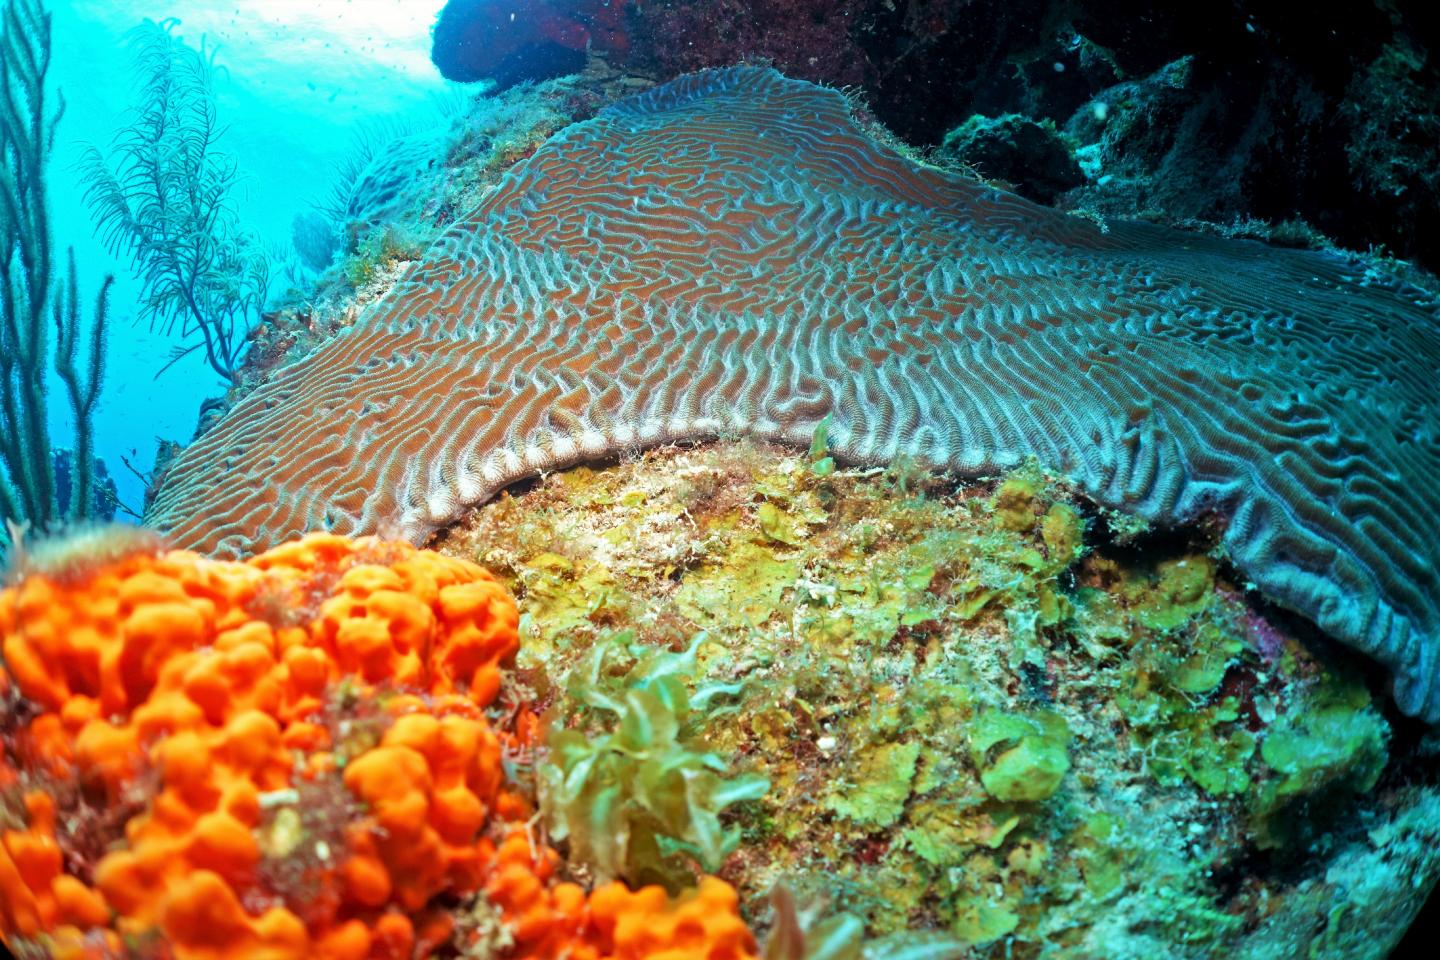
column 301, row 79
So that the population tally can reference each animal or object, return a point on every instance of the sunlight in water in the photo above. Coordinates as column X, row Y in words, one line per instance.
column 334, row 39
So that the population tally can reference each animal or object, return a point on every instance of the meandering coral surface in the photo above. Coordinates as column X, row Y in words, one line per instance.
column 288, row 758
column 733, row 253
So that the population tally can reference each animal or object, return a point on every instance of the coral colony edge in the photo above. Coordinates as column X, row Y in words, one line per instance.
column 707, row 531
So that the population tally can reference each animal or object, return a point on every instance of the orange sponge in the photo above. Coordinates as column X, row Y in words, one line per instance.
column 216, row 678
column 302, row 741
column 644, row 925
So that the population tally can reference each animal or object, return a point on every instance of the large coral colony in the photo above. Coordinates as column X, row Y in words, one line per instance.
column 898, row 568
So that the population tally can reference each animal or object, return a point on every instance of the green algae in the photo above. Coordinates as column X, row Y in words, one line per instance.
column 821, row 463
column 565, row 594
column 1329, row 744
column 377, row 251
column 1021, row 758
column 944, row 834
column 1180, row 640
column 630, row 786
column 743, row 587
column 1098, row 847
column 874, row 789
column 975, row 717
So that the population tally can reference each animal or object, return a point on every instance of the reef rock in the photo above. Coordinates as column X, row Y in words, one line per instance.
column 510, row 43
column 1034, row 159
column 984, row 711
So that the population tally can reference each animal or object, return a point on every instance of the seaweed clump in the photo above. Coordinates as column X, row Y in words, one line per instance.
column 628, row 784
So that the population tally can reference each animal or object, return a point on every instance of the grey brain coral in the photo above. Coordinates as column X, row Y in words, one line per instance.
column 733, row 253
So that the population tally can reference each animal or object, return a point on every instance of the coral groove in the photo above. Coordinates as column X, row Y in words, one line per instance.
column 732, row 252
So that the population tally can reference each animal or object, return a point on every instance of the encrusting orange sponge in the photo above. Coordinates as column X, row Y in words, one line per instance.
column 288, row 758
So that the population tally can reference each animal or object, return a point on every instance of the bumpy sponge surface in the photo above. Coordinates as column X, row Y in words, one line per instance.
column 301, row 745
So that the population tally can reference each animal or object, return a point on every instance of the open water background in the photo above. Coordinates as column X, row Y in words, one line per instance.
column 302, row 79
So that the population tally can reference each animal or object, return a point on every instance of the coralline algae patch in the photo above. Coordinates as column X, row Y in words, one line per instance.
column 299, row 756
column 986, row 711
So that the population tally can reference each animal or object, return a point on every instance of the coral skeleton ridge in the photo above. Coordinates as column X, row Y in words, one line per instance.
column 734, row 253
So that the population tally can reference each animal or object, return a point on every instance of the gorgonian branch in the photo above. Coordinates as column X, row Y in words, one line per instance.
column 162, row 199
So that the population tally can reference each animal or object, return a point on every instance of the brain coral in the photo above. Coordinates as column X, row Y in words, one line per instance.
column 733, row 252
column 294, row 761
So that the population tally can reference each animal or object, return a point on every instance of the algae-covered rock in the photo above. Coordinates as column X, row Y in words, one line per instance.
column 874, row 794
column 1021, row 758
column 985, row 712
